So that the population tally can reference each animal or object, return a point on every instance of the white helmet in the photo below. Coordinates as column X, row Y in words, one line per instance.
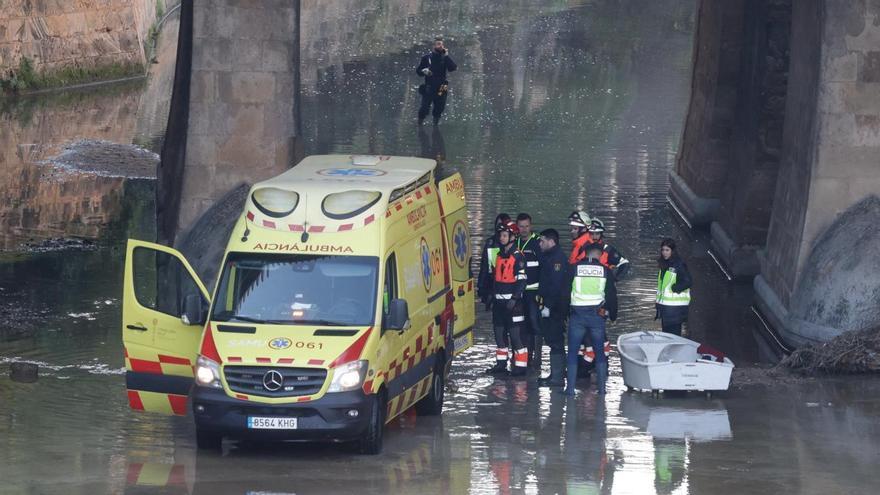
column 579, row 219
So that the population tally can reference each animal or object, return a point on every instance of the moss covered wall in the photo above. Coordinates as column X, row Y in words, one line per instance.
column 63, row 34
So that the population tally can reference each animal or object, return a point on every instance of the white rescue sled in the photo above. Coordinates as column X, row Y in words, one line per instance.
column 658, row 361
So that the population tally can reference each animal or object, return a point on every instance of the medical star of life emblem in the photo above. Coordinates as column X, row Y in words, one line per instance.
column 460, row 241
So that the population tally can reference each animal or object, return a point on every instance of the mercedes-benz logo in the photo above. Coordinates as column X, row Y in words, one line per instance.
column 273, row 381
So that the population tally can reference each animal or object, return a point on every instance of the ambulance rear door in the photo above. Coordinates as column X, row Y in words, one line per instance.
column 455, row 228
column 160, row 341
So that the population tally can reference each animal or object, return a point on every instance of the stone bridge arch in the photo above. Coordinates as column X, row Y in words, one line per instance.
column 782, row 138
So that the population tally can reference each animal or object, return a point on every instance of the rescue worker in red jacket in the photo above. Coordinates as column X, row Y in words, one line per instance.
column 487, row 262
column 579, row 223
column 508, row 289
column 611, row 258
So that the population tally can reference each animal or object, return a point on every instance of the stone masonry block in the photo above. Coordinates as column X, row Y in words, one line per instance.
column 253, row 23
column 237, row 152
column 203, row 86
column 837, row 128
column 247, row 54
column 284, row 89
column 842, row 68
column 278, row 119
column 855, row 163
column 867, row 131
column 207, row 118
column 246, row 119
column 832, row 96
column 247, row 87
column 863, row 98
column 201, row 149
column 277, row 56
column 213, row 54
column 214, row 21
column 869, row 68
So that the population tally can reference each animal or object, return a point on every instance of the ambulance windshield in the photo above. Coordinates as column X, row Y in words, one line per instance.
column 298, row 290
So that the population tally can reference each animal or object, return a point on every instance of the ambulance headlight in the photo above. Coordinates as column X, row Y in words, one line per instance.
column 349, row 203
column 348, row 376
column 275, row 202
column 207, row 373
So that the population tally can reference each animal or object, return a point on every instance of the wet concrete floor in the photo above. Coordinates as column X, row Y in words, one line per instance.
column 552, row 109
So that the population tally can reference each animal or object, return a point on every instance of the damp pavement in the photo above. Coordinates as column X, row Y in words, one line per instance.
column 551, row 109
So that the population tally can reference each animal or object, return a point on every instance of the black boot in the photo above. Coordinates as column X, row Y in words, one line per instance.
column 500, row 367
column 436, row 120
column 584, row 369
column 518, row 371
column 557, row 372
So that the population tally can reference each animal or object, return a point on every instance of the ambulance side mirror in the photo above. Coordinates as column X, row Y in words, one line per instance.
column 398, row 315
column 193, row 310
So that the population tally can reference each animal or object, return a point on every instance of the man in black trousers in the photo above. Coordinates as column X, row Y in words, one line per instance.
column 553, row 293
column 433, row 67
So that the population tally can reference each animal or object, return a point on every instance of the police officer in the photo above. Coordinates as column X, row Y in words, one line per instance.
column 487, row 261
column 553, row 297
column 593, row 299
column 673, row 289
column 579, row 226
column 619, row 265
column 508, row 288
column 433, row 67
column 527, row 244
column 611, row 258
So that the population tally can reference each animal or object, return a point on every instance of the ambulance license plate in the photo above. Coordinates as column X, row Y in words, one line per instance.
column 264, row 423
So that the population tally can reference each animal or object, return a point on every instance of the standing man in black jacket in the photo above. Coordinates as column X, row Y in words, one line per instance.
column 553, row 293
column 433, row 67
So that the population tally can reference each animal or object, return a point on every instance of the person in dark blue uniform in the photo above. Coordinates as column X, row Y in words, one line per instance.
column 433, row 67
column 553, row 300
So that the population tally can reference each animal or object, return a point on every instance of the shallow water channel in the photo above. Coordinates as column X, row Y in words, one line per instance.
column 576, row 105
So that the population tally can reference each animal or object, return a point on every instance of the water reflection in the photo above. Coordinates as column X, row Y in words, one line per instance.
column 41, row 201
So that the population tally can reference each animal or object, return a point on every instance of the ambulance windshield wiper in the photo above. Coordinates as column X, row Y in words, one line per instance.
column 244, row 318
column 263, row 322
column 329, row 323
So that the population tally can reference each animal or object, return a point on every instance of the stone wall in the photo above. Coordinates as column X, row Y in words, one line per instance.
column 781, row 257
column 829, row 173
column 703, row 158
column 242, row 124
column 56, row 34
column 726, row 170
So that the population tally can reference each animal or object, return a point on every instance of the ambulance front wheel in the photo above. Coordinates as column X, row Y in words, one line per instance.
column 208, row 440
column 432, row 404
column 371, row 441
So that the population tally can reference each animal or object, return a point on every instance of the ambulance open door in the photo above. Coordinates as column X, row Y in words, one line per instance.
column 161, row 297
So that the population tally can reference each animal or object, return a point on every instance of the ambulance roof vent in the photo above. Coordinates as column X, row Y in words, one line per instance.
column 365, row 160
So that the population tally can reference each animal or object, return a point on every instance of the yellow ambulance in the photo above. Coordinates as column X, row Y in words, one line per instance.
column 345, row 291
